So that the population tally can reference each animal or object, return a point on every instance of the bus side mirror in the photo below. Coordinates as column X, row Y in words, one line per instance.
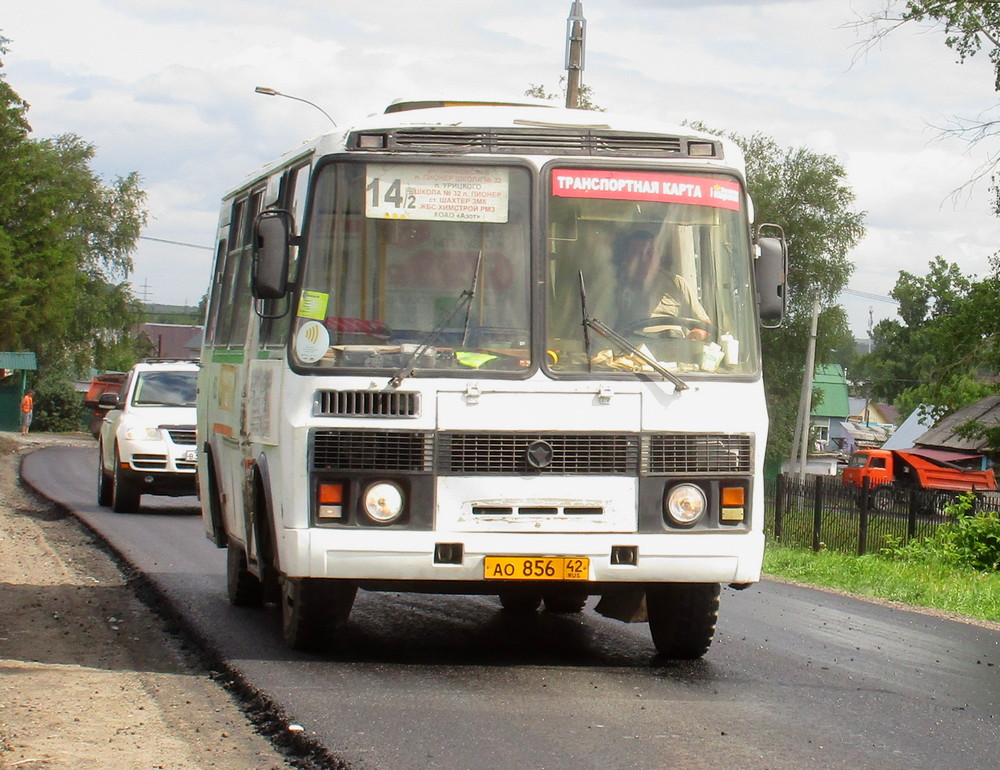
column 770, row 271
column 272, row 238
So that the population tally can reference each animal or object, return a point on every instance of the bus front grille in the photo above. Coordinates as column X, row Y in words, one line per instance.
column 699, row 453
column 357, row 450
column 366, row 403
column 487, row 454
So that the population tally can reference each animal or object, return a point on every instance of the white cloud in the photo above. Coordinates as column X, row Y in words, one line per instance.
column 165, row 88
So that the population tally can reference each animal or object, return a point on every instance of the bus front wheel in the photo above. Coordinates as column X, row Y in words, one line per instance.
column 313, row 610
column 682, row 618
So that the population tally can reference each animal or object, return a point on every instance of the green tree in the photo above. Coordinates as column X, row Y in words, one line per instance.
column 936, row 356
column 66, row 239
column 586, row 95
column 806, row 193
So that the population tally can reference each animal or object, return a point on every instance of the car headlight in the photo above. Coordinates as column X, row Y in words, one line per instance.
column 685, row 504
column 142, row 433
column 383, row 502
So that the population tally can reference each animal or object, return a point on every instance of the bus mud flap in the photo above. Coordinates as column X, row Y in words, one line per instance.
column 627, row 605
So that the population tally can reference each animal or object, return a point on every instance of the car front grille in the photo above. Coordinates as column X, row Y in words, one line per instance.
column 182, row 434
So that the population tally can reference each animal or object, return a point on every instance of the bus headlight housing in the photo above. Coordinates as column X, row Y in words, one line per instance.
column 383, row 502
column 684, row 504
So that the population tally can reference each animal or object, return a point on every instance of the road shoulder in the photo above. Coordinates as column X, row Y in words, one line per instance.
column 89, row 676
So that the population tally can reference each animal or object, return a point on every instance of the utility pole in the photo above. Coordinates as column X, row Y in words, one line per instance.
column 805, row 402
column 576, row 38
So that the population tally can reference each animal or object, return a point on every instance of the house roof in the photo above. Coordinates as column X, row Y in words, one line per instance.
column 985, row 411
column 18, row 361
column 913, row 427
column 829, row 379
column 171, row 340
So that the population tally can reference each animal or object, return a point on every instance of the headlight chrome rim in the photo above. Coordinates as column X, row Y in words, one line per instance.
column 383, row 502
column 685, row 505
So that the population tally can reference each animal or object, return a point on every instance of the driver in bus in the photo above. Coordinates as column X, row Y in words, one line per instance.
column 648, row 288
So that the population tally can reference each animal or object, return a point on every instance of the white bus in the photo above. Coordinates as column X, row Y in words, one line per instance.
column 490, row 349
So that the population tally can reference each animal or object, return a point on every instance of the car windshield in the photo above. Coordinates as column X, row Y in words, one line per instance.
column 166, row 389
column 664, row 262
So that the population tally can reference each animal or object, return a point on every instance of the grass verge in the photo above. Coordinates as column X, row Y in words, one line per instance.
column 958, row 590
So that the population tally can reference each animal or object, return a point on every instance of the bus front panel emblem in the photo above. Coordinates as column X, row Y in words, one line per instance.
column 540, row 454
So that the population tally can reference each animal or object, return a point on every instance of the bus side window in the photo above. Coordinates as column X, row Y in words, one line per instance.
column 240, row 291
column 226, row 276
column 216, row 288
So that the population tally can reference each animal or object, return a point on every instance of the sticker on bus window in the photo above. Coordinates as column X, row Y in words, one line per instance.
column 312, row 341
column 436, row 193
column 312, row 304
column 646, row 186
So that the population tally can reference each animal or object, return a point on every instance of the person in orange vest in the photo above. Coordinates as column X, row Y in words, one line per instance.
column 27, row 409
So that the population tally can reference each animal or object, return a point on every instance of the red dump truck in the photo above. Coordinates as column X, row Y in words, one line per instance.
column 893, row 472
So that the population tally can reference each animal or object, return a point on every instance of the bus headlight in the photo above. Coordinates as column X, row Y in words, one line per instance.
column 383, row 502
column 684, row 504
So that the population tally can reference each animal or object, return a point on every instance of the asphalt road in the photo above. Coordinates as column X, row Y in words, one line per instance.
column 796, row 678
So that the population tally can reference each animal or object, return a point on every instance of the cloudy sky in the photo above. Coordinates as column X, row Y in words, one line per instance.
column 166, row 88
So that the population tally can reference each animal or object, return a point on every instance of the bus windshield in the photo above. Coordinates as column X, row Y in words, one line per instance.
column 418, row 267
column 662, row 259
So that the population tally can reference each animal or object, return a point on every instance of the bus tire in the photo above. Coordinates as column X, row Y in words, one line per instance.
column 682, row 618
column 519, row 602
column 565, row 603
column 124, row 494
column 244, row 588
column 313, row 610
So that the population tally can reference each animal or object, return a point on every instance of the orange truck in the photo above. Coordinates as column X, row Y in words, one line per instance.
column 109, row 382
column 890, row 470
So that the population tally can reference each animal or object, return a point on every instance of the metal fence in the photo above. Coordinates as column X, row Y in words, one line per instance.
column 820, row 512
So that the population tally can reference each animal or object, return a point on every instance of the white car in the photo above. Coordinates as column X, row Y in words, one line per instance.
column 148, row 442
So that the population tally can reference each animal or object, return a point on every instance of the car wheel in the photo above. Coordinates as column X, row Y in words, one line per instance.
column 124, row 494
column 313, row 610
column 682, row 618
column 104, row 489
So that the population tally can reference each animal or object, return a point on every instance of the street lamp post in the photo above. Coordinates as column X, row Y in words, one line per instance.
column 271, row 92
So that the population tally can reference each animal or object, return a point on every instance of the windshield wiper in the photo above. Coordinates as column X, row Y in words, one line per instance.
column 464, row 301
column 608, row 333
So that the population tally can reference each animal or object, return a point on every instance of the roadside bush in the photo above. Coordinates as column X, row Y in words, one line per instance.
column 57, row 407
column 967, row 540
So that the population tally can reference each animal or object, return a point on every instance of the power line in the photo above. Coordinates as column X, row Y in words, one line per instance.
column 175, row 243
column 869, row 295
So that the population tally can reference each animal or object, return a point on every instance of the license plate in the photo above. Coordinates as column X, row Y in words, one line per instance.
column 191, row 455
column 536, row 568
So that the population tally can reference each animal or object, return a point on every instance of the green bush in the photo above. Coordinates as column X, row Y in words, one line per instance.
column 57, row 407
column 967, row 540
